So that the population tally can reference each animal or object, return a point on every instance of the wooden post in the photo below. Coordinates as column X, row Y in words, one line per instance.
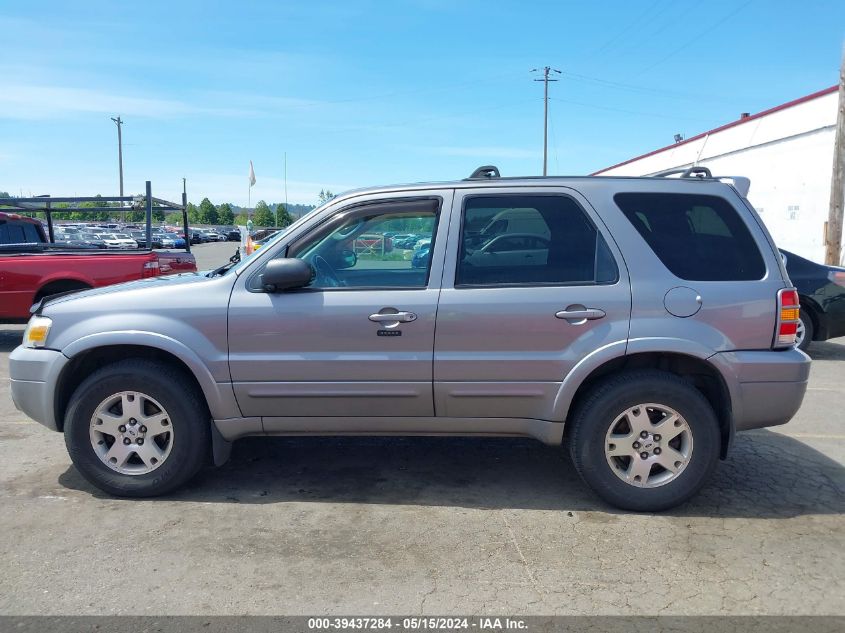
column 833, row 241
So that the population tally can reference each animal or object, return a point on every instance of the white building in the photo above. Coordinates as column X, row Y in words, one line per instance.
column 786, row 151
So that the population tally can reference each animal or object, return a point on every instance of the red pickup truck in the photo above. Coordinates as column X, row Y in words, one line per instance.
column 31, row 268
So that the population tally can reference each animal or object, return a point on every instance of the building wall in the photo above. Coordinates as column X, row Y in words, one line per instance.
column 787, row 154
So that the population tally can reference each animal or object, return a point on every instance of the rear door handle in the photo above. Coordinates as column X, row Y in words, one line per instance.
column 401, row 317
column 589, row 314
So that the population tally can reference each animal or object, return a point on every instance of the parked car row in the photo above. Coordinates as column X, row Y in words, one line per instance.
column 79, row 235
column 128, row 240
column 203, row 236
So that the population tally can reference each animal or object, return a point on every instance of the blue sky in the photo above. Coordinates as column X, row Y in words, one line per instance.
column 372, row 92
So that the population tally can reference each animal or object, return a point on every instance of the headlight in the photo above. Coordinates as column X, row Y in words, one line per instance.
column 35, row 334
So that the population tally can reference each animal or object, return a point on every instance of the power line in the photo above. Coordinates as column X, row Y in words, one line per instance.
column 669, row 21
column 606, row 83
column 634, row 112
column 693, row 40
column 631, row 25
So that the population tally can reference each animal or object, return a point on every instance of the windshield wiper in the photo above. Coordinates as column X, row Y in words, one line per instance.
column 234, row 259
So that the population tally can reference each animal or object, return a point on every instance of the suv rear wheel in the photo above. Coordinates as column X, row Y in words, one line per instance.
column 132, row 429
column 645, row 440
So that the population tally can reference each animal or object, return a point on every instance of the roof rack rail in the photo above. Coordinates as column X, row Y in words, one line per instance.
column 689, row 172
column 740, row 183
column 485, row 172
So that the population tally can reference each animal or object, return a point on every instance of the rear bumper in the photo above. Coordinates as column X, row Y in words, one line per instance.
column 767, row 387
column 34, row 375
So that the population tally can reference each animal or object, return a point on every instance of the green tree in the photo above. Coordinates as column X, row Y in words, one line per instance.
column 174, row 218
column 324, row 196
column 283, row 218
column 87, row 216
column 263, row 216
column 193, row 213
column 241, row 219
column 208, row 212
column 224, row 214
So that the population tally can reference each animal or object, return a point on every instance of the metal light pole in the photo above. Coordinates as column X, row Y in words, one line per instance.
column 119, row 123
column 546, row 79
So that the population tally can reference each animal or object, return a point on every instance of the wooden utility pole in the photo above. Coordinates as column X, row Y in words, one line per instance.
column 833, row 239
column 546, row 79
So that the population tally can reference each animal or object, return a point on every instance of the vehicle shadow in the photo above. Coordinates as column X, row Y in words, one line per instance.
column 827, row 350
column 10, row 337
column 768, row 475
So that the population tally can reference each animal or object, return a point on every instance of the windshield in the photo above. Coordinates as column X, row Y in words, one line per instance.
column 273, row 240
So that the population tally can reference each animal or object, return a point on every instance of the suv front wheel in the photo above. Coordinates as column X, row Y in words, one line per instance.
column 136, row 429
column 644, row 440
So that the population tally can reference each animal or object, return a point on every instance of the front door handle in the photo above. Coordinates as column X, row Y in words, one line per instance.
column 587, row 314
column 401, row 317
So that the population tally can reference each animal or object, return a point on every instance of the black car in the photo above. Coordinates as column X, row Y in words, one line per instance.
column 92, row 238
column 233, row 235
column 821, row 290
column 141, row 238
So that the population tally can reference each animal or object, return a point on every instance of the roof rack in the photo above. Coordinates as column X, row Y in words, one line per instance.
column 147, row 203
column 689, row 172
column 740, row 183
column 485, row 172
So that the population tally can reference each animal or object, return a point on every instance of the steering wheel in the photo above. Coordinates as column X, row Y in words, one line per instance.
column 326, row 272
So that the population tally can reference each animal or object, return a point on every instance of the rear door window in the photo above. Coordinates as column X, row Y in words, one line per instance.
column 697, row 237
column 530, row 240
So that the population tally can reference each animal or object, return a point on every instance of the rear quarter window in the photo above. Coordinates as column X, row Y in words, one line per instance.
column 697, row 237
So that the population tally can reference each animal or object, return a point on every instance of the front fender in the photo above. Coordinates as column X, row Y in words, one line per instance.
column 219, row 396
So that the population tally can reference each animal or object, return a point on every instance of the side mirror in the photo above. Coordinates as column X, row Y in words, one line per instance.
column 285, row 274
column 346, row 259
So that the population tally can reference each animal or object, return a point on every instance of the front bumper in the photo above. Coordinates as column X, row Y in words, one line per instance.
column 34, row 375
column 767, row 387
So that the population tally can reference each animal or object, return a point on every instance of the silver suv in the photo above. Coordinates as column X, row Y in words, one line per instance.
column 640, row 322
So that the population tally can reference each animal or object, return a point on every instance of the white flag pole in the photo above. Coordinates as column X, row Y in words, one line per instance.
column 251, row 180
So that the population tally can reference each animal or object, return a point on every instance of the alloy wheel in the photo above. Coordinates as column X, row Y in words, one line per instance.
column 131, row 433
column 648, row 445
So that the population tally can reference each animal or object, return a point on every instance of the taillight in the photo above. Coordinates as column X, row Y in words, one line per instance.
column 837, row 277
column 788, row 313
column 150, row 269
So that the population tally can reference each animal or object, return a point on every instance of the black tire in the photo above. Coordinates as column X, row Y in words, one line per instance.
column 809, row 330
column 187, row 412
column 593, row 417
